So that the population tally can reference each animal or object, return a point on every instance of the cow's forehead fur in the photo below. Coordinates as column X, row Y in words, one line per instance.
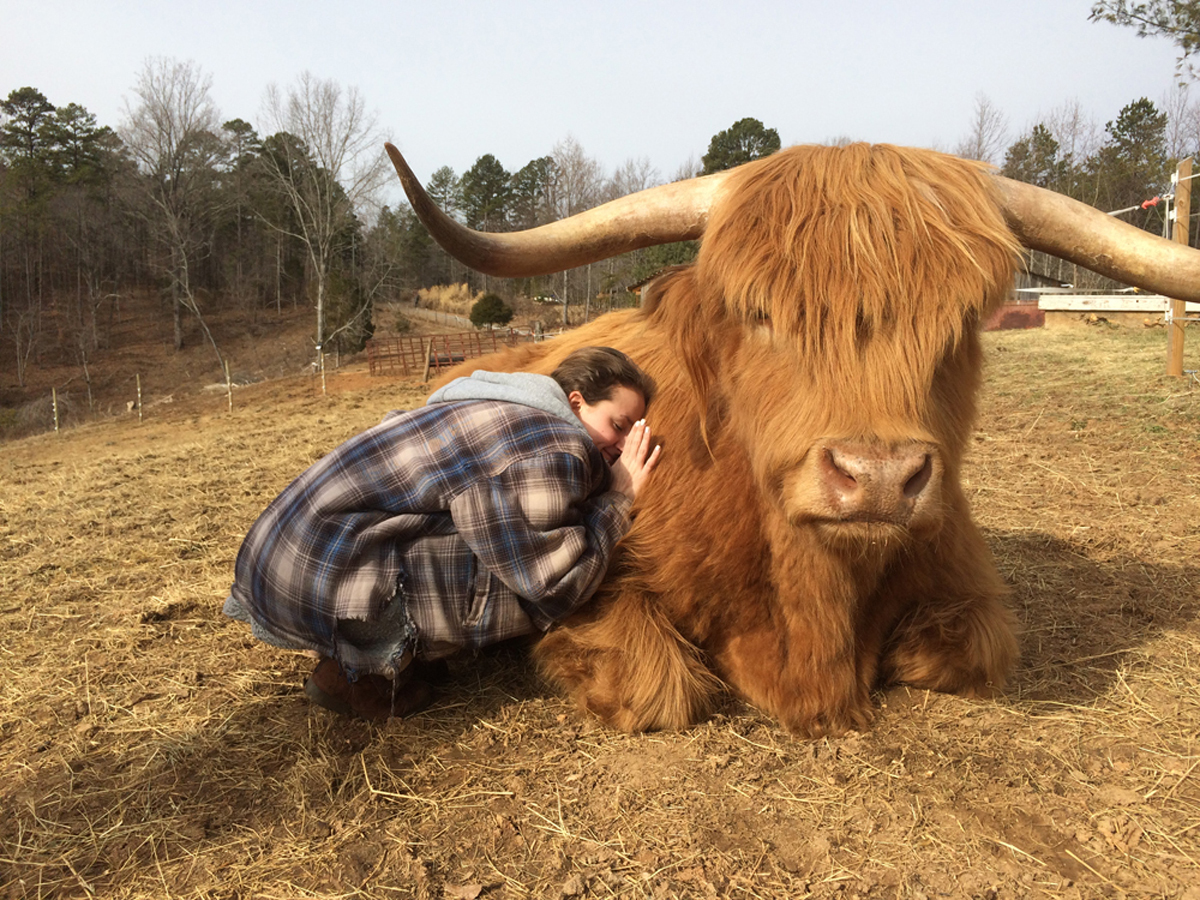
column 838, row 245
column 853, row 279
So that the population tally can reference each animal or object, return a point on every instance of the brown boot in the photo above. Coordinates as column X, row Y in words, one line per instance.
column 372, row 697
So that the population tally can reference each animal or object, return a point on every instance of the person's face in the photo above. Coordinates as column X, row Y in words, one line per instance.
column 609, row 421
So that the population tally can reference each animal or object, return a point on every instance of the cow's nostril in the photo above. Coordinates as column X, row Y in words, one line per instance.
column 841, row 467
column 918, row 482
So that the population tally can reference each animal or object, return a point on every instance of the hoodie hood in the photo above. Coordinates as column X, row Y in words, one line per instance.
column 537, row 391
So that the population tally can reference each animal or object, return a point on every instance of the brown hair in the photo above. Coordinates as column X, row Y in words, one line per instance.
column 596, row 371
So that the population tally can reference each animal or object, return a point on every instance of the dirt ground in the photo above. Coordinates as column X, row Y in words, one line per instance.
column 150, row 748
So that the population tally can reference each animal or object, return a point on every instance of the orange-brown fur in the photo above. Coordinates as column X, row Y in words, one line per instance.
column 836, row 295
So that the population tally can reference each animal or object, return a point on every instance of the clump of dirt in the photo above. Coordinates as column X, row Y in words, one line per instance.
column 151, row 748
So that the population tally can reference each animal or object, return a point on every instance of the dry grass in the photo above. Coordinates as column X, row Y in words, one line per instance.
column 452, row 298
column 151, row 749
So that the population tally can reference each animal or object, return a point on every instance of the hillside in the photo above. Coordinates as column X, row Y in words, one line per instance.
column 138, row 343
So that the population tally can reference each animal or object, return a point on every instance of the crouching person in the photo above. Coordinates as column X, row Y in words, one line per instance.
column 490, row 513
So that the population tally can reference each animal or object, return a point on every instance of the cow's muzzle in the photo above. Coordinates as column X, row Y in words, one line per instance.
column 850, row 481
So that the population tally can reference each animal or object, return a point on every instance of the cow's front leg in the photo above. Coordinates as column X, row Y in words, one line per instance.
column 623, row 661
column 798, row 660
column 953, row 631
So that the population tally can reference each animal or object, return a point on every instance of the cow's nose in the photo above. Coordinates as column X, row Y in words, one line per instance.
column 877, row 482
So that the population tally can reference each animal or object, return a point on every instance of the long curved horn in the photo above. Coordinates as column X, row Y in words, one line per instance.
column 1040, row 218
column 659, row 215
column 1048, row 221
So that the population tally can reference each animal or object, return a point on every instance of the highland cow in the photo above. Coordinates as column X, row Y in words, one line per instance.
column 807, row 538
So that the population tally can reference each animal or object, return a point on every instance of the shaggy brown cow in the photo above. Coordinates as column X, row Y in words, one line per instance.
column 806, row 537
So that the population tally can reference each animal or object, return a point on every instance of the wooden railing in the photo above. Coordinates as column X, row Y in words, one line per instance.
column 411, row 354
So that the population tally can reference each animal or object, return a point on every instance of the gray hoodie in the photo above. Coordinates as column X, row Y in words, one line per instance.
column 539, row 391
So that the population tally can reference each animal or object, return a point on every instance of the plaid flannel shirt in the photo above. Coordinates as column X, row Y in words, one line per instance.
column 490, row 519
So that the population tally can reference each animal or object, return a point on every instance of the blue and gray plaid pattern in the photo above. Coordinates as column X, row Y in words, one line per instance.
column 490, row 519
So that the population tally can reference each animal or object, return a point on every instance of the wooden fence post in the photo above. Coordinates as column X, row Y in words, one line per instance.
column 1179, row 233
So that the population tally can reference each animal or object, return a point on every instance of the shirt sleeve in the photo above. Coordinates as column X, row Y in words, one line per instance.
column 535, row 528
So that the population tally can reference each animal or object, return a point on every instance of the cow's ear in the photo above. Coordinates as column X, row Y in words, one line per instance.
column 671, row 301
column 654, row 287
column 699, row 353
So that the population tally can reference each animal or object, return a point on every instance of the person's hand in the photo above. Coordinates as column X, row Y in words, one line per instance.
column 632, row 470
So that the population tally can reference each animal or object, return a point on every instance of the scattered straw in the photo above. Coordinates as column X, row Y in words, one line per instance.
column 152, row 749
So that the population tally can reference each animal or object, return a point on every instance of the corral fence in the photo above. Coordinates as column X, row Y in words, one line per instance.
column 417, row 354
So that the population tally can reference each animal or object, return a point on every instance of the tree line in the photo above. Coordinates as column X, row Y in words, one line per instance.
column 216, row 216
column 1123, row 168
column 203, row 212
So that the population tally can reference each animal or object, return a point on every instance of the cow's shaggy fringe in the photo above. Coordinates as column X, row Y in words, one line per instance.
column 876, row 259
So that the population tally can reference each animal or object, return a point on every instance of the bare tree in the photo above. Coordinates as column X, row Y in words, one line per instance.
column 632, row 176
column 578, row 179
column 331, row 167
column 1077, row 133
column 689, row 168
column 1076, row 138
column 24, row 325
column 577, row 185
column 988, row 136
column 171, row 134
column 1183, row 122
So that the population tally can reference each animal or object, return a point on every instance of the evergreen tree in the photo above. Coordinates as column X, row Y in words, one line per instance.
column 1034, row 159
column 80, row 147
column 29, row 113
column 400, row 244
column 530, row 203
column 745, row 140
column 241, row 237
column 490, row 310
column 27, row 140
column 24, row 219
column 1132, row 166
column 485, row 194
column 446, row 191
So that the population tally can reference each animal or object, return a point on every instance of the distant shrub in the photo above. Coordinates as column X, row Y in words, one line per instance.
column 490, row 309
column 37, row 416
column 402, row 324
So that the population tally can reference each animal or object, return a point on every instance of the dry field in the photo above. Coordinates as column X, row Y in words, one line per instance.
column 150, row 748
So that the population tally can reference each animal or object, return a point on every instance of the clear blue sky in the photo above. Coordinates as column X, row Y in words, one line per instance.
column 453, row 79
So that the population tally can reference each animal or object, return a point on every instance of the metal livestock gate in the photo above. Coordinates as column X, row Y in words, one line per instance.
column 412, row 354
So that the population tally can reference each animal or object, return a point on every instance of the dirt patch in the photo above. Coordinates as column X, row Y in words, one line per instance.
column 1015, row 315
column 151, row 748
